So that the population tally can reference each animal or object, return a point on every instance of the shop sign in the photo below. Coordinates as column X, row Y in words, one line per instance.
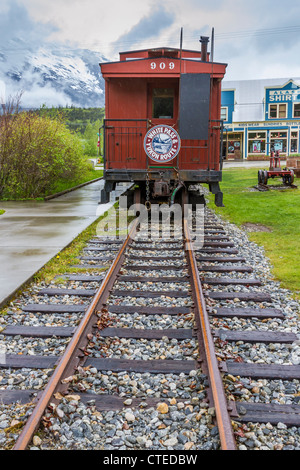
column 162, row 144
column 290, row 92
column 262, row 124
column 283, row 95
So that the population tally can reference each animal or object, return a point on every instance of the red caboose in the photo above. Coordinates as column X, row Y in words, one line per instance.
column 162, row 129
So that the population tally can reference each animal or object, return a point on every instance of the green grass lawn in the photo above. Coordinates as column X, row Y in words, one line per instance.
column 278, row 210
column 63, row 185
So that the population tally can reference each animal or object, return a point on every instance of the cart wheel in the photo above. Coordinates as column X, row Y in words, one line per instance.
column 260, row 177
column 289, row 179
column 265, row 177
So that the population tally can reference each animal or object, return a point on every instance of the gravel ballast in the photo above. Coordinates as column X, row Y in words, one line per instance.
column 180, row 417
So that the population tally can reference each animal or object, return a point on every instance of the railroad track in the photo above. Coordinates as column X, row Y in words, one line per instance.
column 179, row 373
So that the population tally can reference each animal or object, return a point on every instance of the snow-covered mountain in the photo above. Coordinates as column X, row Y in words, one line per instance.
column 51, row 75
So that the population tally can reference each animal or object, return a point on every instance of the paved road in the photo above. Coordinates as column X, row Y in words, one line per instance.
column 31, row 233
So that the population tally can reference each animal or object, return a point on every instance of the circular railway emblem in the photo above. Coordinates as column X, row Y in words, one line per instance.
column 162, row 144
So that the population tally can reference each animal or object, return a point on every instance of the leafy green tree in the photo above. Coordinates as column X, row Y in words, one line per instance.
column 91, row 138
column 36, row 151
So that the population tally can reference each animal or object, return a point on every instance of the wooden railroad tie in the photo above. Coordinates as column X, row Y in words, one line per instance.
column 134, row 333
column 261, row 313
column 131, row 309
column 226, row 281
column 149, row 294
column 54, row 308
column 80, row 278
column 256, row 336
column 154, row 267
column 262, row 371
column 156, row 258
column 95, row 267
column 247, row 412
column 16, row 361
column 39, row 331
column 219, row 259
column 155, row 366
column 76, row 292
column 225, row 269
column 122, row 278
column 229, row 251
column 242, row 296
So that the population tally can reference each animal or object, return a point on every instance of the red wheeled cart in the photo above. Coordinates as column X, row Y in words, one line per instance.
column 276, row 171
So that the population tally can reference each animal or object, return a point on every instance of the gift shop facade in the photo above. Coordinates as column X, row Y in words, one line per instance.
column 261, row 116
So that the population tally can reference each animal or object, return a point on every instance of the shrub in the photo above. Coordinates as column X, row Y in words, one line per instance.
column 36, row 151
column 91, row 138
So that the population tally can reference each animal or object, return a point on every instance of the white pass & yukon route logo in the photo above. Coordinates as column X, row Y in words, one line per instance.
column 162, row 144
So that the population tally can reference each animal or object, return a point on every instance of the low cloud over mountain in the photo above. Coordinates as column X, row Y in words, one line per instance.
column 45, row 72
column 54, row 77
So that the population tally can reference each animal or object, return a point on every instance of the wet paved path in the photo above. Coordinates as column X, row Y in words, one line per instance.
column 31, row 232
column 248, row 164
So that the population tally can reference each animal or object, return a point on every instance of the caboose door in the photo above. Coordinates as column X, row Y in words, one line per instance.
column 163, row 103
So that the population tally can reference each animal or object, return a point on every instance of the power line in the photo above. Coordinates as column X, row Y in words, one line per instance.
column 171, row 42
column 224, row 35
column 257, row 34
column 188, row 38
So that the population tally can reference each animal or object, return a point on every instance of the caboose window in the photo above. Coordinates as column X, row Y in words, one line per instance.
column 163, row 103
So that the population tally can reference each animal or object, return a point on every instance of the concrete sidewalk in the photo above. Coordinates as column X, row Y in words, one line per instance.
column 31, row 233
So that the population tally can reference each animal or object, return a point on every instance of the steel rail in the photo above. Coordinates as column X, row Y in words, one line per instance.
column 219, row 398
column 72, row 349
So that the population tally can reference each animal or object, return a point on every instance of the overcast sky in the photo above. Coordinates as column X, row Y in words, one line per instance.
column 258, row 39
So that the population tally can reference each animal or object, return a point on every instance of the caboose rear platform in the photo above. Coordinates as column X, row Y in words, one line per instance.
column 162, row 129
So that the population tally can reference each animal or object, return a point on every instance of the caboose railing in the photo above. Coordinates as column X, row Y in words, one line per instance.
column 123, row 142
column 207, row 154
column 123, row 146
column 218, row 125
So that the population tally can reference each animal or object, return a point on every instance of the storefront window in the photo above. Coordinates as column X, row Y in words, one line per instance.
column 234, row 146
column 278, row 141
column 257, row 142
column 294, row 141
column 234, row 143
